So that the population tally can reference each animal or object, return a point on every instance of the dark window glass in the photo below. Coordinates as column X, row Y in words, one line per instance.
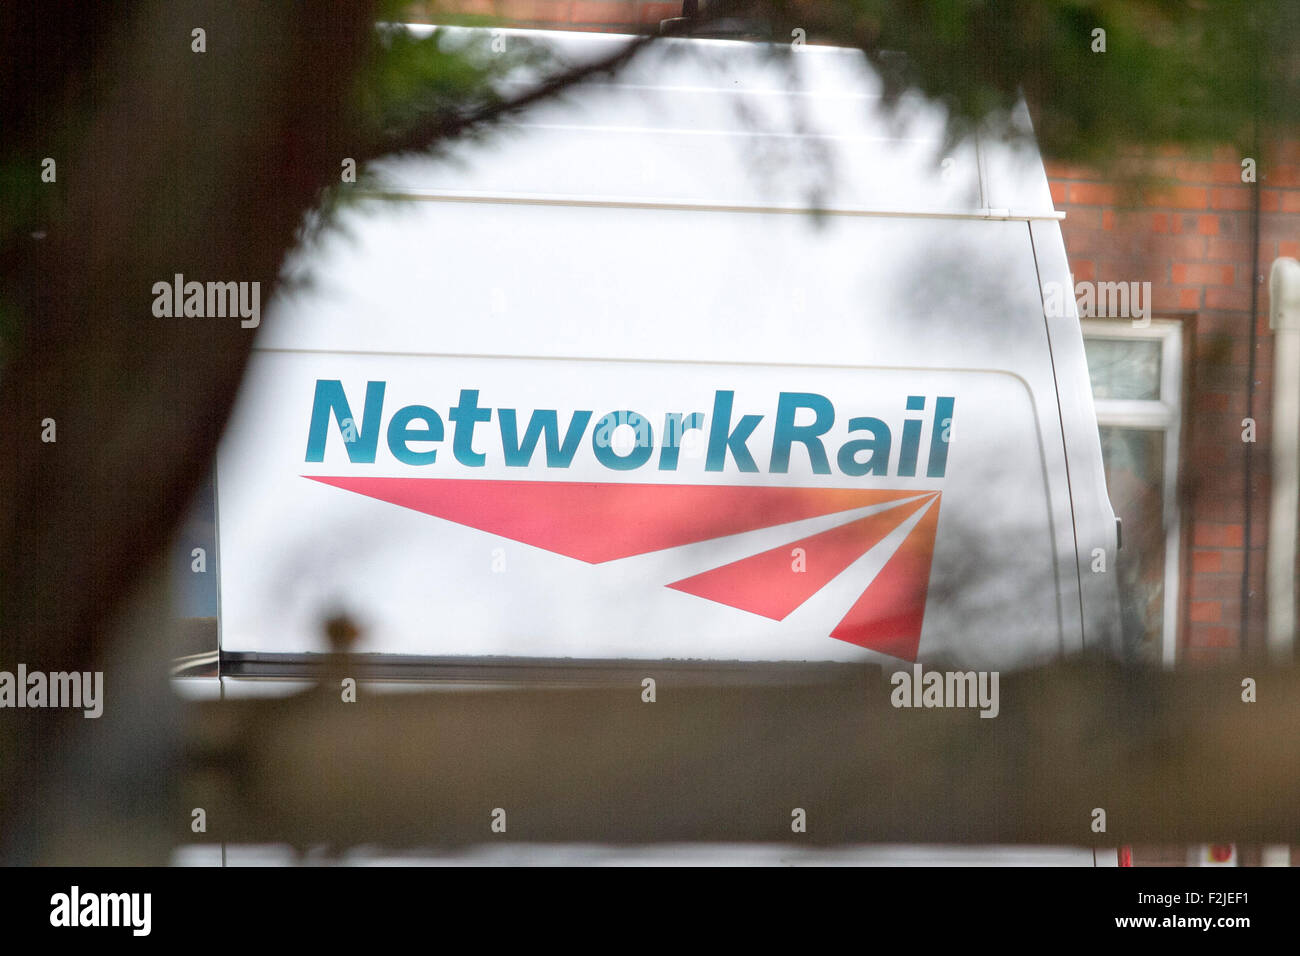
column 1135, row 469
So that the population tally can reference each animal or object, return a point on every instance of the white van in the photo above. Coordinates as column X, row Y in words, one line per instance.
column 715, row 363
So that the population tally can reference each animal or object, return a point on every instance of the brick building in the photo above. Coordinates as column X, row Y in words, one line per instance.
column 1206, row 241
column 1194, row 238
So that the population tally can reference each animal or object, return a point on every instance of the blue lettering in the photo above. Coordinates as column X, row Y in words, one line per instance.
column 601, row 441
column 723, row 438
column 543, row 421
column 358, row 441
column 910, row 446
column 878, row 446
column 419, row 425
column 939, row 436
column 787, row 432
column 675, row 427
column 400, row 434
column 468, row 414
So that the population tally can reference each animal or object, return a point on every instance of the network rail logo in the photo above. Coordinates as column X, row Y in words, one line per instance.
column 601, row 522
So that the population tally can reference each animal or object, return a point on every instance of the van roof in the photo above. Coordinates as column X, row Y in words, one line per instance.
column 800, row 128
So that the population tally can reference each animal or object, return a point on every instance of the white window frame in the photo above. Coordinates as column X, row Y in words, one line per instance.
column 1165, row 414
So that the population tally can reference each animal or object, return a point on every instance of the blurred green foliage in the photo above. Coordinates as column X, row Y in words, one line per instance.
column 1173, row 72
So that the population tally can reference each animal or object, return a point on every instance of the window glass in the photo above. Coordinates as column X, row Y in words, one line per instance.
column 1135, row 466
column 1124, row 368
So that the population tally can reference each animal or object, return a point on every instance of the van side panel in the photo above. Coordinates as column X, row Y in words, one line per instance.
column 1094, row 520
column 548, row 312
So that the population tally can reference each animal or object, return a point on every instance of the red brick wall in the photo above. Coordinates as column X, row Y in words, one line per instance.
column 1190, row 234
column 612, row 16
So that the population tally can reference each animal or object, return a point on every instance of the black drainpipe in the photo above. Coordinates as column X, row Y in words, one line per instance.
column 1250, row 379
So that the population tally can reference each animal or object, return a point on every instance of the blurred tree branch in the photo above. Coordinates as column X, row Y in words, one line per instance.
column 169, row 161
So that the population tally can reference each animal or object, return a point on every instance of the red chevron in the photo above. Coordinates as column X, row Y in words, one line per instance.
column 598, row 522
column 888, row 616
column 766, row 584
column 603, row 522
